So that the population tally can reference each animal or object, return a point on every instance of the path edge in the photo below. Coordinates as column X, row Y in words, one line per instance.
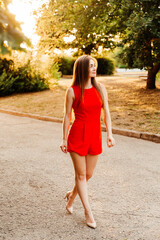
column 129, row 133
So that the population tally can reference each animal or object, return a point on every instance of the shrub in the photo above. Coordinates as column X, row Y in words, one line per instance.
column 54, row 71
column 8, row 65
column 20, row 80
column 65, row 65
column 105, row 66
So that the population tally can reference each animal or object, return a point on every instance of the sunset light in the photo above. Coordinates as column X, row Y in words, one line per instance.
column 23, row 10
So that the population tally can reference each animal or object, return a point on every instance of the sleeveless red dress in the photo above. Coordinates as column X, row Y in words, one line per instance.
column 85, row 136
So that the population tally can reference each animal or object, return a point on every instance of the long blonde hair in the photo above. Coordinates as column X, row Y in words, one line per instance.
column 81, row 75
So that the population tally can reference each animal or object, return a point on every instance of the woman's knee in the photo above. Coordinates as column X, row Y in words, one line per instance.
column 88, row 176
column 80, row 176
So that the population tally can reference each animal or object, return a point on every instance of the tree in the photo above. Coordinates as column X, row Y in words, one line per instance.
column 96, row 23
column 61, row 18
column 11, row 35
column 141, row 36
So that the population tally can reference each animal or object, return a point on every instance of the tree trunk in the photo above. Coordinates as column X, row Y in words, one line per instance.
column 151, row 78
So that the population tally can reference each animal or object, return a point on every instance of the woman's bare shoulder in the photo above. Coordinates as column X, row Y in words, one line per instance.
column 103, row 87
column 70, row 92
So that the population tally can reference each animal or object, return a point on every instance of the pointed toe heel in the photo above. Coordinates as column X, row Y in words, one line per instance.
column 92, row 225
column 69, row 209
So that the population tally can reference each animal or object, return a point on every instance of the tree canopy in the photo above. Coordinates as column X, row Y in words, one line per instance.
column 133, row 25
column 78, row 18
column 141, row 36
column 11, row 35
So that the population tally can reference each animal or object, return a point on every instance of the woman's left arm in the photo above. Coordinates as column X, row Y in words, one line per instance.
column 107, row 118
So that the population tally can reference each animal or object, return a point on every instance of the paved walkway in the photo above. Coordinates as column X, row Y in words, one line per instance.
column 124, row 192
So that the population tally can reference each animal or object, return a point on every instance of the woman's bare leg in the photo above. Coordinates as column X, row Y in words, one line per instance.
column 84, row 167
column 79, row 163
column 91, row 161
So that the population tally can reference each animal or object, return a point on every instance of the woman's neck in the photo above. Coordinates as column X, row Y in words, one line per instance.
column 88, row 84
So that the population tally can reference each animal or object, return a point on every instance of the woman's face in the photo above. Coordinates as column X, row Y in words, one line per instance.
column 92, row 68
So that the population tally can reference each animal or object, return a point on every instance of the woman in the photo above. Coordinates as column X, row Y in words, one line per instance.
column 84, row 141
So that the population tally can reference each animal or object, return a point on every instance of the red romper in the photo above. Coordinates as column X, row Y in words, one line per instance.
column 85, row 136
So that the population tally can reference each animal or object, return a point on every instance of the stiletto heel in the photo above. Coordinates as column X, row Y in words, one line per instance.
column 66, row 195
column 69, row 209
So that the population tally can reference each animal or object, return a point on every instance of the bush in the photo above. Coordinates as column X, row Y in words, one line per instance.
column 65, row 65
column 54, row 71
column 8, row 65
column 20, row 80
column 105, row 66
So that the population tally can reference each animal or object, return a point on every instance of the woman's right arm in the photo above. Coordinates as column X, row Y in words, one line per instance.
column 67, row 117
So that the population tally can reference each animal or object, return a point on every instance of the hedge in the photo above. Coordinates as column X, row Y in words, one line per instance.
column 20, row 80
column 105, row 65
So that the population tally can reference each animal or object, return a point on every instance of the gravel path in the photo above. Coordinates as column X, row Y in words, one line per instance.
column 35, row 175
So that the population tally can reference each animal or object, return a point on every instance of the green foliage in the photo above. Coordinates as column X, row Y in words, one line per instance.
column 131, row 25
column 11, row 35
column 65, row 65
column 123, row 60
column 85, row 20
column 20, row 80
column 54, row 71
column 105, row 66
column 95, row 23
column 158, row 76
column 140, row 35
column 8, row 65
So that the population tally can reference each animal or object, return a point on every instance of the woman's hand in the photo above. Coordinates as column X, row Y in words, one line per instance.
column 63, row 146
column 110, row 141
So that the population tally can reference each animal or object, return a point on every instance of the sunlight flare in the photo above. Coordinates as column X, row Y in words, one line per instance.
column 23, row 10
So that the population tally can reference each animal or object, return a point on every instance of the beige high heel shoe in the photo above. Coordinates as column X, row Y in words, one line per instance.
column 69, row 209
column 91, row 224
